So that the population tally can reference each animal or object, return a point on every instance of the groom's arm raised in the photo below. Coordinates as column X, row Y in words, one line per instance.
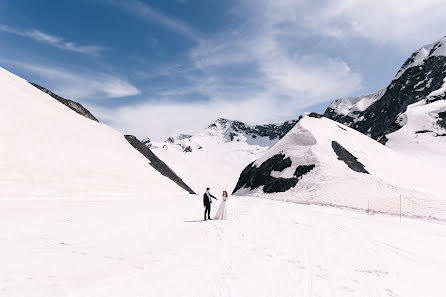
column 213, row 196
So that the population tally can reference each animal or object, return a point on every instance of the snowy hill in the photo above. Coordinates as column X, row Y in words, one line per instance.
column 421, row 77
column 216, row 156
column 50, row 151
column 321, row 161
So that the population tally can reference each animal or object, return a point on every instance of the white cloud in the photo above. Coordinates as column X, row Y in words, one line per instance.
column 55, row 41
column 160, row 120
column 248, row 73
column 284, row 94
column 258, row 71
column 267, row 44
column 147, row 13
column 83, row 85
column 398, row 23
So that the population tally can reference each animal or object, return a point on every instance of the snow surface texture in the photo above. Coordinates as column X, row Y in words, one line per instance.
column 155, row 247
column 50, row 151
column 332, row 182
column 216, row 156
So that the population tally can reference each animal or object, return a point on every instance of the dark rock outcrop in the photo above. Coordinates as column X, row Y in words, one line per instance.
column 157, row 163
column 442, row 119
column 187, row 149
column 315, row 115
column 73, row 105
column 340, row 118
column 253, row 177
column 345, row 156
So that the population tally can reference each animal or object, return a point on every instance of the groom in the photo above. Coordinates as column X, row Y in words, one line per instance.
column 207, row 201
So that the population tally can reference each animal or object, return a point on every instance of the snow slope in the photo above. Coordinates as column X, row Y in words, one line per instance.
column 155, row 247
column 216, row 156
column 47, row 150
column 422, row 135
column 310, row 143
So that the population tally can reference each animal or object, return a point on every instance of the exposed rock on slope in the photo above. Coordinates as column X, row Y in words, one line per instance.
column 73, row 105
column 157, row 163
column 253, row 177
column 344, row 155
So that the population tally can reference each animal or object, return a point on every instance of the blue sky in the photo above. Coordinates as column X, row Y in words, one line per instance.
column 158, row 68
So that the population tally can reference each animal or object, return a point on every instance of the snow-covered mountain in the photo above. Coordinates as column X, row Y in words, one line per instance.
column 216, row 156
column 322, row 161
column 422, row 77
column 50, row 151
column 348, row 110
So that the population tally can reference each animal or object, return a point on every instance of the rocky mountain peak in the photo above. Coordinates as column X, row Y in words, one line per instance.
column 420, row 77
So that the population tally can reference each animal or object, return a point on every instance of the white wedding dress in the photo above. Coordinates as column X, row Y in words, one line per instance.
column 222, row 212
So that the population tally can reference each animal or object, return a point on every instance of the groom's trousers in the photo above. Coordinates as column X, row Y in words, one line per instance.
column 207, row 211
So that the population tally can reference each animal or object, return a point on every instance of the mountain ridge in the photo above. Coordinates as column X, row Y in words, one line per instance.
column 420, row 77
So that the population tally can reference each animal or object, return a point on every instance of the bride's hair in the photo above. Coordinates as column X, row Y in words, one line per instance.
column 225, row 193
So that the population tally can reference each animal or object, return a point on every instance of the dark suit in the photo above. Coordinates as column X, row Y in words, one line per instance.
column 207, row 201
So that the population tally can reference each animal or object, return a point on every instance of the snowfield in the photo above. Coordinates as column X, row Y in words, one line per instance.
column 156, row 246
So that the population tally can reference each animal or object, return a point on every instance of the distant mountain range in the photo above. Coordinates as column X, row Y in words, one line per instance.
column 408, row 116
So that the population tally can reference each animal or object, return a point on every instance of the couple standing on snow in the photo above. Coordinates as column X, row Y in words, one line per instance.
column 222, row 212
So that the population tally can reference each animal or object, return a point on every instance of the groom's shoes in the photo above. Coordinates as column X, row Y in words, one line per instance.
column 210, row 219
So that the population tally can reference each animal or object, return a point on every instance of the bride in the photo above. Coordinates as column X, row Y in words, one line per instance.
column 222, row 212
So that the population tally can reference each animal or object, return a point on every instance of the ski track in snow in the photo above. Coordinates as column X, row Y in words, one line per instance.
column 160, row 247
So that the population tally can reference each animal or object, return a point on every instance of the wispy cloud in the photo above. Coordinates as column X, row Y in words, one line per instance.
column 58, row 42
column 397, row 23
column 253, row 73
column 280, row 59
column 147, row 13
column 277, row 95
column 278, row 67
column 79, row 85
